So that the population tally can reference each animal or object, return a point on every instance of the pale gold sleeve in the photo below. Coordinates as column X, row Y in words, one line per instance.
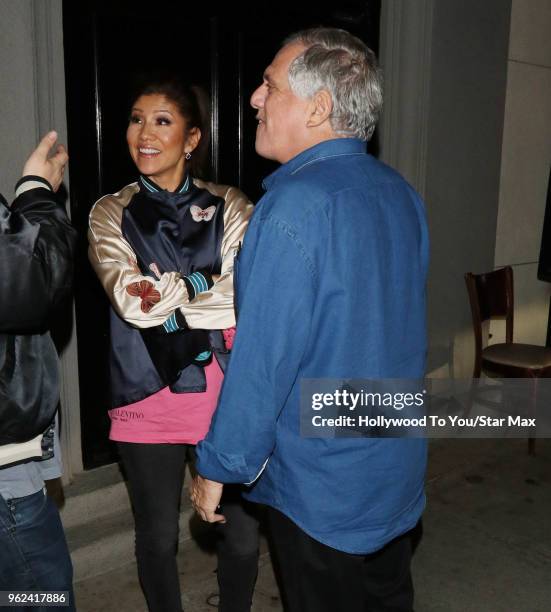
column 214, row 309
column 140, row 300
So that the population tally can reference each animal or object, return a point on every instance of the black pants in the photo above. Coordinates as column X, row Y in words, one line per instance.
column 317, row 578
column 155, row 475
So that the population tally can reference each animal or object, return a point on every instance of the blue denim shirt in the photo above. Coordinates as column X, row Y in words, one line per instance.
column 330, row 284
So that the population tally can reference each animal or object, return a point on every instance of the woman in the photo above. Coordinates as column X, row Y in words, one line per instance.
column 163, row 248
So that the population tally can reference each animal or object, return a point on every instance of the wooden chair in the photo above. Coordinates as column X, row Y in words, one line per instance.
column 491, row 296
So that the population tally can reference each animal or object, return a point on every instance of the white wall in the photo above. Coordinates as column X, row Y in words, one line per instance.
column 468, row 84
column 445, row 65
column 525, row 164
column 18, row 117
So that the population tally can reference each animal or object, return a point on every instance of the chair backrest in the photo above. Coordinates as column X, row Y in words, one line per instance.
column 491, row 296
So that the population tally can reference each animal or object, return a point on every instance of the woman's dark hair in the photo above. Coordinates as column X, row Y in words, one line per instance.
column 192, row 102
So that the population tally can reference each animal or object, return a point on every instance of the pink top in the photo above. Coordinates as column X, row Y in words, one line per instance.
column 169, row 418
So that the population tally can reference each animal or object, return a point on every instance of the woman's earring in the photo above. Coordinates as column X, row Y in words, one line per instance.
column 188, row 155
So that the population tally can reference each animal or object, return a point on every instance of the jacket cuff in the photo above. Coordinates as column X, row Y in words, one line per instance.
column 175, row 322
column 196, row 283
column 30, row 181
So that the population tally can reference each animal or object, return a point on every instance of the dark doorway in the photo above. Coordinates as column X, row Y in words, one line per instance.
column 226, row 51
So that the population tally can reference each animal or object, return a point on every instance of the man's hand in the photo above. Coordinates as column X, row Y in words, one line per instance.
column 205, row 496
column 51, row 168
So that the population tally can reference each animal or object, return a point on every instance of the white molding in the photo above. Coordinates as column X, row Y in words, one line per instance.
column 405, row 53
column 389, row 57
column 50, row 113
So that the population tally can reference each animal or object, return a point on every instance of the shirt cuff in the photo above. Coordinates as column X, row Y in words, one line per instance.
column 259, row 473
column 222, row 467
column 26, row 183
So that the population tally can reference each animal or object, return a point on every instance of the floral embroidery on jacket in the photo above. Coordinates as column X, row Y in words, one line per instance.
column 133, row 263
column 146, row 292
column 229, row 335
column 155, row 269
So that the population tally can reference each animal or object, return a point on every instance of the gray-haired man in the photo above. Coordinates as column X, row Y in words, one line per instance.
column 331, row 284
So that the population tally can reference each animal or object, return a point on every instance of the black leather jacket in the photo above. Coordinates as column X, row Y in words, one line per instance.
column 36, row 254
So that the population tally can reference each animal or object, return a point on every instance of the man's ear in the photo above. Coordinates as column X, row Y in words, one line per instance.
column 321, row 108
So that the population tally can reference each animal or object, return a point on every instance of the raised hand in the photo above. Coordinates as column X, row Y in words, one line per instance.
column 50, row 168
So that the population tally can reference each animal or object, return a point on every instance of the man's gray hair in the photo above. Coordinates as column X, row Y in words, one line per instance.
column 341, row 64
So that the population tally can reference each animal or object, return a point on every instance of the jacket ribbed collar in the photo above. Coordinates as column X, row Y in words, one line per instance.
column 149, row 186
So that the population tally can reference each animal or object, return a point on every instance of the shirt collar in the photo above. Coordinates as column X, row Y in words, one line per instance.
column 328, row 148
column 146, row 184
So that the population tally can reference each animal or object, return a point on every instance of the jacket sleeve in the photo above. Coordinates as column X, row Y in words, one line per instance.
column 214, row 309
column 36, row 254
column 115, row 264
column 276, row 292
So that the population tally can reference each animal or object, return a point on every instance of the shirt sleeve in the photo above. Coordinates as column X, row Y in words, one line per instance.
column 116, row 266
column 36, row 254
column 276, row 297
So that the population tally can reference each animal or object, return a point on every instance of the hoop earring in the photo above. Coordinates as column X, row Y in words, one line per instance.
column 188, row 155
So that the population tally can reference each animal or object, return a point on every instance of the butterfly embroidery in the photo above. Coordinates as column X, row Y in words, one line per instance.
column 198, row 214
column 146, row 292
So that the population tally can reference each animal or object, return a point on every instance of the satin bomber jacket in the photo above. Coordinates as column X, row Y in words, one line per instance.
column 125, row 232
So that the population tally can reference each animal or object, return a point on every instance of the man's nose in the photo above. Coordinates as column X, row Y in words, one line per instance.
column 257, row 99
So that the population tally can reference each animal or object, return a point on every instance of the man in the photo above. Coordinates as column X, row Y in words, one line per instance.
column 36, row 252
column 331, row 284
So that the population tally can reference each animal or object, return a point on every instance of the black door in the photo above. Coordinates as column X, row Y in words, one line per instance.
column 226, row 51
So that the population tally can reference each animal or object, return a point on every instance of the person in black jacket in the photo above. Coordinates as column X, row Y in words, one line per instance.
column 36, row 253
